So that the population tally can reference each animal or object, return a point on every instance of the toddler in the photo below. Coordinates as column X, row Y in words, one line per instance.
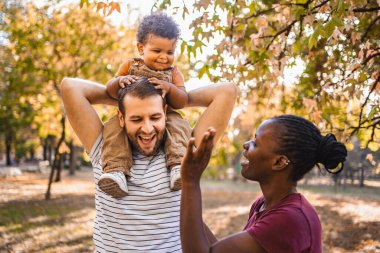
column 157, row 36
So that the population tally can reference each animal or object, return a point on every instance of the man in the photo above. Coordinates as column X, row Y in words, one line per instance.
column 147, row 220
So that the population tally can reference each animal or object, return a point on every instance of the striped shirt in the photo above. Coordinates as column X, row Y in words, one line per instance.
column 147, row 220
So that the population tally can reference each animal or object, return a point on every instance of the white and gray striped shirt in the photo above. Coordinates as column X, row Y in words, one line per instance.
column 147, row 220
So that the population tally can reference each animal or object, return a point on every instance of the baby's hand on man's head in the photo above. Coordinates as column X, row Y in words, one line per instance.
column 127, row 80
column 161, row 85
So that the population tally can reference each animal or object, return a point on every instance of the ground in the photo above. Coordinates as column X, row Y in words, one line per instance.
column 28, row 223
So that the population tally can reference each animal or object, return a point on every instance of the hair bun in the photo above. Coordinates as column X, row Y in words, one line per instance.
column 331, row 153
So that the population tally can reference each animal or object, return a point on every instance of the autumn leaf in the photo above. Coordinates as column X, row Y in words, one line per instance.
column 261, row 22
column 114, row 6
column 100, row 6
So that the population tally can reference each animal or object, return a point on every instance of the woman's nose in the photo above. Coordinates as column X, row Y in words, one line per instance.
column 246, row 145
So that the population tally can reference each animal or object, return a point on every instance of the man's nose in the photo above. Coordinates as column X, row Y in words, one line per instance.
column 147, row 127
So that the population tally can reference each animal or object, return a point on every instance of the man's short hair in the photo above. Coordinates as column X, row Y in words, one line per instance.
column 158, row 24
column 142, row 88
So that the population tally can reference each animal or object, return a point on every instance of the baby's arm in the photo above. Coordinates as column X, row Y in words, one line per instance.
column 175, row 92
column 120, row 80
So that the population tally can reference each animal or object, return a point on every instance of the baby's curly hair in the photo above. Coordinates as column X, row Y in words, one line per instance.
column 158, row 24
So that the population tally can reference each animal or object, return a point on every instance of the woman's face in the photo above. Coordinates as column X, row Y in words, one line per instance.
column 260, row 153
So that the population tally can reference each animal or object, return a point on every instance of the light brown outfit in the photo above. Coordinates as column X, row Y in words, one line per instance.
column 116, row 151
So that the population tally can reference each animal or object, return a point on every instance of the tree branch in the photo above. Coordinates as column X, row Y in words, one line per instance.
column 369, row 28
column 374, row 9
column 320, row 5
column 286, row 29
column 360, row 123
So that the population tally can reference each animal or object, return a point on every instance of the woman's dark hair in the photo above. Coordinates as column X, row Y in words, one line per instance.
column 142, row 88
column 302, row 142
column 158, row 24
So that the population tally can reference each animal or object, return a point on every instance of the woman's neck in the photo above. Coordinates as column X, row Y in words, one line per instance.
column 274, row 192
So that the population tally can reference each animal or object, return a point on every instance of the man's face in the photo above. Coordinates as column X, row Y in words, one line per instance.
column 144, row 123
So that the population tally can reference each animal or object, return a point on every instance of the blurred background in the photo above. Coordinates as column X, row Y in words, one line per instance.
column 319, row 59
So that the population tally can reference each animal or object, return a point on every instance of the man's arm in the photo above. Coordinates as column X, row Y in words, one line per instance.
column 78, row 96
column 219, row 100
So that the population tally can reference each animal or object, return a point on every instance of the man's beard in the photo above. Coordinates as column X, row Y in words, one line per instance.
column 135, row 145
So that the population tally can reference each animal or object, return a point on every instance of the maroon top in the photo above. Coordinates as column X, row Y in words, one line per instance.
column 291, row 226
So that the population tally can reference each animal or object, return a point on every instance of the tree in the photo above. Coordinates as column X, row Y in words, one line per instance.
column 42, row 46
column 335, row 41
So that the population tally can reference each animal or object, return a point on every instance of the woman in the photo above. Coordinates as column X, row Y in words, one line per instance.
column 285, row 148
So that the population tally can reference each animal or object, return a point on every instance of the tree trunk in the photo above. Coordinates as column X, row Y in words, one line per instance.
column 73, row 159
column 32, row 153
column 8, row 148
column 51, row 148
column 362, row 177
column 45, row 148
column 57, row 158
column 59, row 169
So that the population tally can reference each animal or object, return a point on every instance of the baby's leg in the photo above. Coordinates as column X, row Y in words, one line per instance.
column 178, row 132
column 116, row 159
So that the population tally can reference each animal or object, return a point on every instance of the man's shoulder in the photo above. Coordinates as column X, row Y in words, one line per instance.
column 95, row 152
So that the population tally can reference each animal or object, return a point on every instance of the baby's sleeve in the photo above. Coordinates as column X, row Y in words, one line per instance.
column 124, row 68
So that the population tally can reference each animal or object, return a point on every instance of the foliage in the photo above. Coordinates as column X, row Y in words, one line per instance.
column 335, row 42
column 42, row 45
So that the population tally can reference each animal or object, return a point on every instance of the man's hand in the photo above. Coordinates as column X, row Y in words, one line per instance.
column 127, row 80
column 161, row 85
column 197, row 159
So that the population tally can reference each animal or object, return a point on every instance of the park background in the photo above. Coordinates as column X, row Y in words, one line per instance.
column 319, row 59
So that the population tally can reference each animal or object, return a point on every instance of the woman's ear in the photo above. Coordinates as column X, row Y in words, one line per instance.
column 281, row 163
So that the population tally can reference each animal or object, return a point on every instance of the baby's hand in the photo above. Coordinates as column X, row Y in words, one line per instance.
column 127, row 80
column 161, row 85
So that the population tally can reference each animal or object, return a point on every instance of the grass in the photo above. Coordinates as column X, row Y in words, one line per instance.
column 367, row 192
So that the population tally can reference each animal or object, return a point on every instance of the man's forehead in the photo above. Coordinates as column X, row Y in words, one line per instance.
column 143, row 106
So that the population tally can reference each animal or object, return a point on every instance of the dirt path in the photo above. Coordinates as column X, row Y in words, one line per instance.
column 28, row 223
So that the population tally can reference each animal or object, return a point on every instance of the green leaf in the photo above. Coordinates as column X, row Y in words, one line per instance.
column 340, row 8
column 314, row 37
column 329, row 28
column 82, row 2
column 202, row 71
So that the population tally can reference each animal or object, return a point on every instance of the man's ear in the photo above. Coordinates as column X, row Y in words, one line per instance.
column 121, row 118
column 140, row 48
column 281, row 163
column 165, row 111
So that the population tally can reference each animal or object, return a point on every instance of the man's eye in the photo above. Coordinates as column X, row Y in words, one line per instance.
column 156, row 51
column 135, row 120
column 170, row 53
column 156, row 118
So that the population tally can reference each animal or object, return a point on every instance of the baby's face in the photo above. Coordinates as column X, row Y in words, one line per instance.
column 157, row 52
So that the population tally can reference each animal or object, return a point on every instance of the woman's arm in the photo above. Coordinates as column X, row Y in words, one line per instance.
column 195, row 236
